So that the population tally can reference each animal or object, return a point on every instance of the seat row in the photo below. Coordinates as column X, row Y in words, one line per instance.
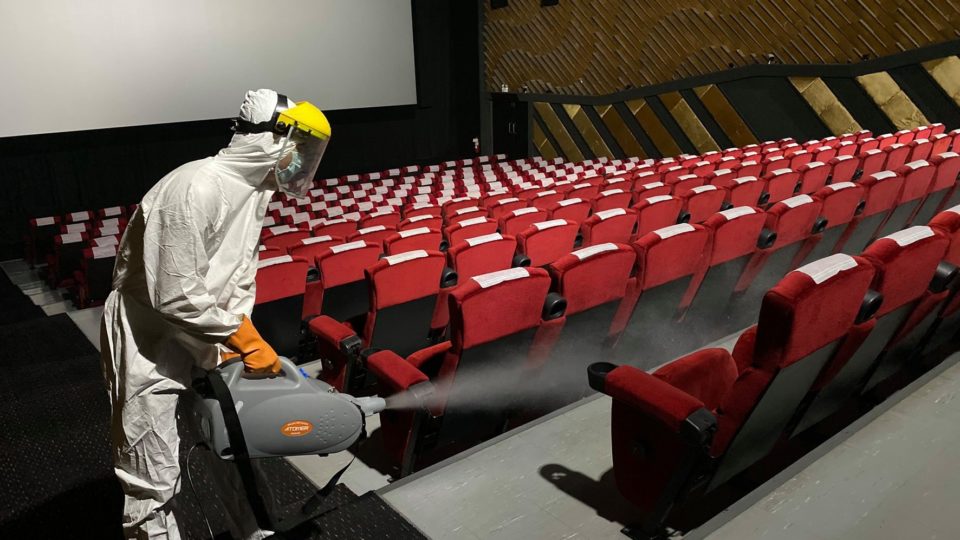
column 833, row 332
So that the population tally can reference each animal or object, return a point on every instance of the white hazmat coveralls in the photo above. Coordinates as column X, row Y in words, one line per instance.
column 183, row 281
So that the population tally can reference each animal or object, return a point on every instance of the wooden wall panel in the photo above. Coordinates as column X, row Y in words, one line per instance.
column 602, row 46
column 823, row 102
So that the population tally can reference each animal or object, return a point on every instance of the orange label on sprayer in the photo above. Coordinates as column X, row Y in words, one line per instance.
column 296, row 428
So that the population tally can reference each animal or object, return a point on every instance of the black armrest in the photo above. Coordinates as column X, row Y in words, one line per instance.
column 313, row 275
column 684, row 217
column 869, row 306
column 726, row 206
column 448, row 278
column 860, row 208
column 444, row 245
column 351, row 345
column 944, row 278
column 764, row 199
column 520, row 260
column 597, row 374
column 554, row 307
column 766, row 239
column 699, row 427
column 819, row 225
column 858, row 174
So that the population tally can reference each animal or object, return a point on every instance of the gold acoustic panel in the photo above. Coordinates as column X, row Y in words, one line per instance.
column 598, row 47
column 725, row 115
column 825, row 103
column 946, row 71
column 542, row 143
column 620, row 131
column 553, row 124
column 885, row 92
column 692, row 127
column 588, row 131
column 653, row 128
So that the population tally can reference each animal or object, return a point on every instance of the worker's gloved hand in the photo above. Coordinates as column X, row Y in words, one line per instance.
column 226, row 356
column 258, row 356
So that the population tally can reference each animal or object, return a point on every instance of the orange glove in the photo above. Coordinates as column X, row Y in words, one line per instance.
column 258, row 356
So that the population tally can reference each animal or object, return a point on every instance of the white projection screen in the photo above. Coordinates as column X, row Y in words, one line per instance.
column 70, row 65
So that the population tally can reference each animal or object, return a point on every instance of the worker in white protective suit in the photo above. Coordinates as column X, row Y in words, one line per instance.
column 184, row 289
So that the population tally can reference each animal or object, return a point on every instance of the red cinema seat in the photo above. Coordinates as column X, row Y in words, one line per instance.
column 421, row 209
column 896, row 156
column 947, row 324
column 684, row 183
column 917, row 177
column 615, row 225
column 505, row 206
column 702, row 202
column 942, row 192
column 920, row 149
column 94, row 280
column 668, row 261
column 281, row 284
column 424, row 220
column 710, row 415
column 501, row 325
column 780, row 184
column 467, row 213
column 656, row 213
column 742, row 191
column 750, row 167
column 383, row 218
column 286, row 239
column 611, row 198
column 844, row 168
column 906, row 265
column 736, row 234
column 468, row 228
column 310, row 248
column 265, row 252
column 841, row 203
column 341, row 227
column 794, row 221
column 547, row 241
column 453, row 205
column 575, row 210
column 813, row 176
column 422, row 238
column 882, row 191
column 650, row 189
column 341, row 291
column 374, row 234
column 594, row 282
column 904, row 136
column 582, row 190
column 403, row 295
column 40, row 238
column 516, row 221
column 481, row 255
column 546, row 198
column 871, row 162
column 940, row 144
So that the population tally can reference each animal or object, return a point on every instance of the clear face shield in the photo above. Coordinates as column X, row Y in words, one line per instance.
column 298, row 162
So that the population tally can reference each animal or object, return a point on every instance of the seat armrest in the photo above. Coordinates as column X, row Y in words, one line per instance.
column 944, row 278
column 520, row 260
column 393, row 372
column 336, row 333
column 706, row 374
column 421, row 357
column 651, row 395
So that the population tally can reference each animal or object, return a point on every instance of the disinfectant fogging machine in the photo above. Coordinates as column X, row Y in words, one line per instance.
column 244, row 417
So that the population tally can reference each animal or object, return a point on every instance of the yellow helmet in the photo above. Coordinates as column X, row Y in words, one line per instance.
column 306, row 132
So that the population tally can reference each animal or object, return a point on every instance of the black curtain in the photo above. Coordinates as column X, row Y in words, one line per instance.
column 66, row 172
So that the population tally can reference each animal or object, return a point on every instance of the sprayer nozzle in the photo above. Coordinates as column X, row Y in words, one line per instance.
column 370, row 405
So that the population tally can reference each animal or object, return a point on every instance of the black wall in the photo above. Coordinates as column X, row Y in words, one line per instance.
column 64, row 172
